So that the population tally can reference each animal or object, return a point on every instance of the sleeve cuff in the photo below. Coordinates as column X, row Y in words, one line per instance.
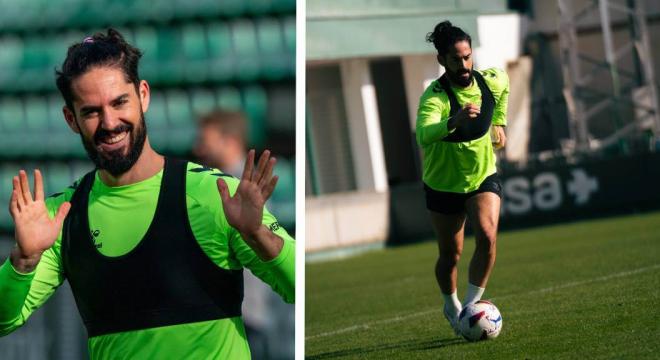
column 287, row 246
column 7, row 269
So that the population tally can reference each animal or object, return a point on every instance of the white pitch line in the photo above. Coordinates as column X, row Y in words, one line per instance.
column 427, row 312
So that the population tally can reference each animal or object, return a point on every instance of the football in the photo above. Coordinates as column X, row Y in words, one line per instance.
column 480, row 321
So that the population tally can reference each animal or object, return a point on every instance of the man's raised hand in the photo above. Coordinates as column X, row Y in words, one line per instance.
column 244, row 210
column 35, row 231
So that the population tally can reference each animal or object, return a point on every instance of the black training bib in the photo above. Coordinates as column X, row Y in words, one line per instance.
column 167, row 279
column 477, row 127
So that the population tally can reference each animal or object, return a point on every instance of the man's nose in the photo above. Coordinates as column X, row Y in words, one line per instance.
column 109, row 120
column 464, row 64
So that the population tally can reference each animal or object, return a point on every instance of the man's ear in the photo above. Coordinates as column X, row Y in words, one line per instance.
column 441, row 60
column 70, row 119
column 144, row 92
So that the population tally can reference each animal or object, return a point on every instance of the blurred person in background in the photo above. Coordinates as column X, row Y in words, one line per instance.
column 460, row 121
column 222, row 144
column 222, row 141
column 153, row 247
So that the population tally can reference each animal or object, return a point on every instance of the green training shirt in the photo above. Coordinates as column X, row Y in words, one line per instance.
column 458, row 167
column 119, row 218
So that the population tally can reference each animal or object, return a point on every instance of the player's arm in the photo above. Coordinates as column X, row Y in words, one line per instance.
column 32, row 273
column 433, row 120
column 262, row 247
column 279, row 273
column 23, row 293
column 500, row 87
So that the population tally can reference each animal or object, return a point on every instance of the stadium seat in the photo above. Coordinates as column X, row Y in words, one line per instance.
column 272, row 50
column 246, row 48
column 7, row 172
column 170, row 60
column 156, row 119
column 255, row 104
column 57, row 177
column 232, row 8
column 221, row 55
column 203, row 101
column 281, row 114
column 10, row 58
column 146, row 39
column 282, row 203
column 195, row 52
column 178, row 108
column 12, row 115
column 286, row 185
column 36, row 113
column 290, row 34
column 269, row 35
column 229, row 98
column 258, row 7
column 61, row 140
column 285, row 6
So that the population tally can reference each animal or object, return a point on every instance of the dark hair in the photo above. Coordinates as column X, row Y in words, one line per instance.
column 445, row 35
column 98, row 50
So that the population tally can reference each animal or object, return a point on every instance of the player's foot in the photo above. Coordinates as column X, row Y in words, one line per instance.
column 451, row 314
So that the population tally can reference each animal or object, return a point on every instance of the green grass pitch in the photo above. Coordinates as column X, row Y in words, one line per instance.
column 587, row 290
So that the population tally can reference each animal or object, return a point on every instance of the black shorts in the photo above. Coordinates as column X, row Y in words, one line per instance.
column 445, row 202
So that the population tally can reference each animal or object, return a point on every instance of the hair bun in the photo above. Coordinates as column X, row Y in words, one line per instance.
column 445, row 25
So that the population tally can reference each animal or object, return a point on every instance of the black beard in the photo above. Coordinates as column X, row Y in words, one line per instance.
column 457, row 79
column 116, row 163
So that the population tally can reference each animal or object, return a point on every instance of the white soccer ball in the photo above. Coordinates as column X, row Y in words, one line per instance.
column 480, row 321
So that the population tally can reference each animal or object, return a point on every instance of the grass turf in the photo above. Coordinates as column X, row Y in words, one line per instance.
column 580, row 290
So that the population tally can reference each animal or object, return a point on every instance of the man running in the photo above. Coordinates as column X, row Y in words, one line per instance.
column 152, row 246
column 461, row 118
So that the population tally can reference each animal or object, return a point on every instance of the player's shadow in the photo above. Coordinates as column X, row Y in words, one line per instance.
column 408, row 345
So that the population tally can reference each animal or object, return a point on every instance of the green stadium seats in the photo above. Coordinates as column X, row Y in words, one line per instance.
column 269, row 33
column 284, row 6
column 286, row 185
column 7, row 172
column 178, row 108
column 290, row 34
column 195, row 52
column 258, row 7
column 231, row 8
column 61, row 140
column 156, row 119
column 146, row 40
column 57, row 177
column 170, row 60
column 10, row 58
column 282, row 203
column 221, row 57
column 229, row 98
column 36, row 113
column 12, row 115
column 203, row 101
column 245, row 45
column 271, row 49
column 281, row 110
column 255, row 104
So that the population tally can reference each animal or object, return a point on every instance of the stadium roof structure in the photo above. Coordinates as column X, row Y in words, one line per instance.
column 345, row 28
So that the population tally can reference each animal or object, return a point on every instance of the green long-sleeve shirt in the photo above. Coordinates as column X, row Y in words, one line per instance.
column 118, row 219
column 458, row 166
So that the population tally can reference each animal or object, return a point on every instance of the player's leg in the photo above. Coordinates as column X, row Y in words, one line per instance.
column 484, row 211
column 449, row 229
